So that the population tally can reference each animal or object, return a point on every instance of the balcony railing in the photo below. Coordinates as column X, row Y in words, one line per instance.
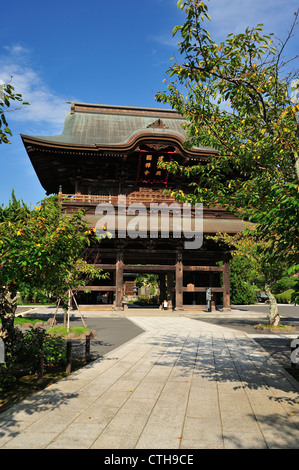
column 90, row 199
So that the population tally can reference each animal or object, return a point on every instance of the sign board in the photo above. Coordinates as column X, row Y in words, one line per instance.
column 149, row 170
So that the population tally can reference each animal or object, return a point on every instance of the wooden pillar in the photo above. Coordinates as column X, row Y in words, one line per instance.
column 226, row 285
column 179, row 272
column 211, row 282
column 162, row 286
column 170, row 289
column 119, row 277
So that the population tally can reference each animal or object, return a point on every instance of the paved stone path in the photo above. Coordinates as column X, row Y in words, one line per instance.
column 182, row 384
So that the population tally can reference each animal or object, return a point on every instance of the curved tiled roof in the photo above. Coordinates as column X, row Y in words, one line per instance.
column 93, row 129
column 95, row 125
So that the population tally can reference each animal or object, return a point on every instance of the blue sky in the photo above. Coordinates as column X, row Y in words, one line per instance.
column 109, row 52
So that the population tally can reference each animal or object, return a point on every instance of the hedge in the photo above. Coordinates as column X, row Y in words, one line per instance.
column 285, row 297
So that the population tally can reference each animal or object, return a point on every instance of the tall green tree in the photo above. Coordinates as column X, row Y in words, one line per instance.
column 236, row 97
column 39, row 248
column 247, row 246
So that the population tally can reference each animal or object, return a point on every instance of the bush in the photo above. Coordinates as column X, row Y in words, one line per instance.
column 24, row 356
column 284, row 284
column 144, row 301
column 244, row 280
column 243, row 294
column 285, row 297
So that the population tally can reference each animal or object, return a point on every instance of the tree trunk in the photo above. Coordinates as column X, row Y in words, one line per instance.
column 8, row 307
column 274, row 318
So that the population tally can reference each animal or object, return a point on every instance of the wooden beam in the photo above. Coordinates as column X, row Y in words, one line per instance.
column 137, row 267
column 148, row 267
column 203, row 268
column 106, row 267
column 215, row 255
column 96, row 288
column 157, row 267
column 202, row 289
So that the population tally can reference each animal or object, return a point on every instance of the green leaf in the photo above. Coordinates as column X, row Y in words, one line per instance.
column 176, row 29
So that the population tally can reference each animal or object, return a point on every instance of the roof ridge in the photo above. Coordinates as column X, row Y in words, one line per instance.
column 78, row 104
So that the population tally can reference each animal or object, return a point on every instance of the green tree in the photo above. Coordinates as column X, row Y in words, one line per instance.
column 247, row 246
column 236, row 98
column 40, row 247
column 245, row 279
column 148, row 280
column 8, row 96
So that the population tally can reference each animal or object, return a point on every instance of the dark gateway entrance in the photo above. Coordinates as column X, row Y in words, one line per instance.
column 184, row 276
column 105, row 152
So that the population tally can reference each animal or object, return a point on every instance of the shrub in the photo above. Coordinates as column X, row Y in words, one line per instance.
column 33, row 340
column 243, row 294
column 144, row 301
column 244, row 280
column 285, row 297
column 284, row 284
column 24, row 355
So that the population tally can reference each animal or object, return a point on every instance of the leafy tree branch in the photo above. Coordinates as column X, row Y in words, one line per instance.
column 7, row 97
column 237, row 100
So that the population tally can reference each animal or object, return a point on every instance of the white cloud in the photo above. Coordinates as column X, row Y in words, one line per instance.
column 234, row 15
column 46, row 107
column 16, row 50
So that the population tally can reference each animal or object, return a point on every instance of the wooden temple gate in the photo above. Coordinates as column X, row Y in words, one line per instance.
column 107, row 151
column 174, row 285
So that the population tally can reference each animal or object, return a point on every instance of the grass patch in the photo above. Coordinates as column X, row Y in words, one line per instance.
column 275, row 329
column 21, row 321
column 62, row 330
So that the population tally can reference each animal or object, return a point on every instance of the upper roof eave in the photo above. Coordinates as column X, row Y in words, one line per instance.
column 133, row 140
column 44, row 141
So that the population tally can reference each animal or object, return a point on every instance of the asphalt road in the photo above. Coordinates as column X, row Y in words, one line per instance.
column 112, row 333
column 284, row 310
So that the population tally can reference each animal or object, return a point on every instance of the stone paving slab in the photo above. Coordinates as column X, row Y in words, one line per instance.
column 182, row 384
